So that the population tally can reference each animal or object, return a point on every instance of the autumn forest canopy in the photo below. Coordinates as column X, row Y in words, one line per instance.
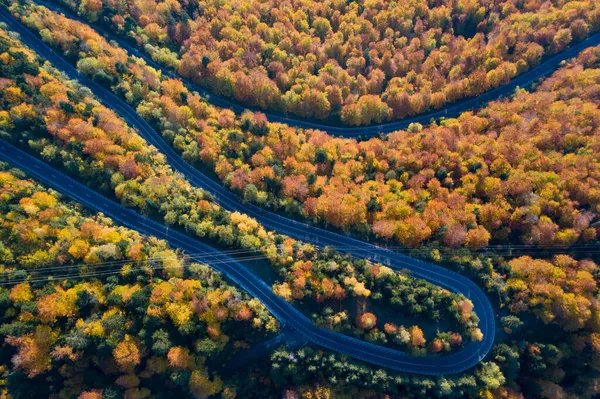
column 507, row 195
column 359, row 62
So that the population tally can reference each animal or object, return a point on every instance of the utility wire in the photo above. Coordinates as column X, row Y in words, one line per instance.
column 114, row 272
column 148, row 259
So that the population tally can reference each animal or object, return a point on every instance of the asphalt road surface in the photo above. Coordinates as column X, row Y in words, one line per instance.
column 460, row 361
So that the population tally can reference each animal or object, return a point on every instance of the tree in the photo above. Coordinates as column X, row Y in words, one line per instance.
column 476, row 335
column 436, row 346
column 180, row 357
column 411, row 231
column 368, row 109
column 33, row 355
column 490, row 375
column 91, row 9
column 201, row 385
column 511, row 323
column 477, row 237
column 95, row 394
column 161, row 343
column 127, row 354
column 416, row 337
column 321, row 27
column 366, row 321
column 21, row 293
column 455, row 236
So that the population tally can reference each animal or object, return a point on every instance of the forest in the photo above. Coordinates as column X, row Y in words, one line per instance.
column 461, row 182
column 357, row 62
column 157, row 318
column 507, row 194
column 158, row 325
column 57, row 120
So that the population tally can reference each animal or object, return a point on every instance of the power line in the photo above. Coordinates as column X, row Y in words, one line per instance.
column 114, row 272
column 148, row 259
column 235, row 252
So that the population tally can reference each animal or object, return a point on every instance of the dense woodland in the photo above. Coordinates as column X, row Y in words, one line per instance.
column 157, row 326
column 58, row 120
column 468, row 181
column 155, row 319
column 361, row 62
column 522, row 172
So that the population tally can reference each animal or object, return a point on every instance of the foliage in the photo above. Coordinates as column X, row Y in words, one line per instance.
column 70, row 129
column 361, row 61
column 467, row 182
column 522, row 171
column 124, row 330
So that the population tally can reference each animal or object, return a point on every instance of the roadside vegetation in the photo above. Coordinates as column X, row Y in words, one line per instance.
column 154, row 318
column 494, row 193
column 467, row 182
column 61, row 122
column 358, row 62
column 158, row 325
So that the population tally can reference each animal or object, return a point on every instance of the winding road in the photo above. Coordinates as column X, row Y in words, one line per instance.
column 524, row 80
column 471, row 354
column 456, row 362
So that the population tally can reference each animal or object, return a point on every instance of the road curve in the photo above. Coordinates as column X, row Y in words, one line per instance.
column 235, row 271
column 466, row 358
column 524, row 80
